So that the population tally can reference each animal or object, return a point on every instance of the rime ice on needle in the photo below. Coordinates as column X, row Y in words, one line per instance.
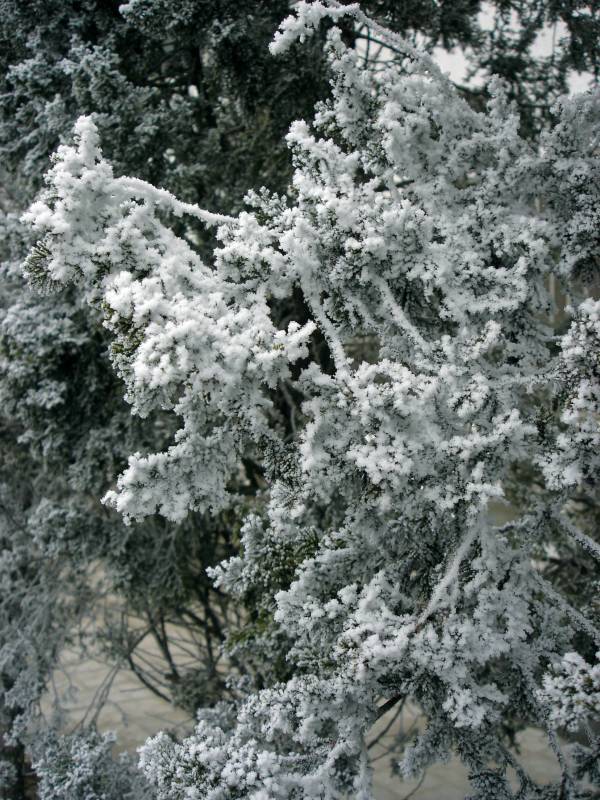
column 423, row 233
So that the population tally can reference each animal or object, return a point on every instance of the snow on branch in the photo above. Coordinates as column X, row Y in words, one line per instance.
column 379, row 341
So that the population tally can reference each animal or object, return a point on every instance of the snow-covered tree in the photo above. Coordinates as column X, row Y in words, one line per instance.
column 382, row 346
column 80, row 767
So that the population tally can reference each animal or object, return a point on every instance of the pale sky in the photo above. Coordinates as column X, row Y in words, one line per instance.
column 455, row 62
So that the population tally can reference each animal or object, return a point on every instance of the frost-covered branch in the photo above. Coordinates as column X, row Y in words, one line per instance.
column 372, row 553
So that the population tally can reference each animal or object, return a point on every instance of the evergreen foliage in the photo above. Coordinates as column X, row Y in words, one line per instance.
column 336, row 382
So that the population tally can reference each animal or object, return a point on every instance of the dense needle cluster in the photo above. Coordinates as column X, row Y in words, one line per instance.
column 380, row 343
